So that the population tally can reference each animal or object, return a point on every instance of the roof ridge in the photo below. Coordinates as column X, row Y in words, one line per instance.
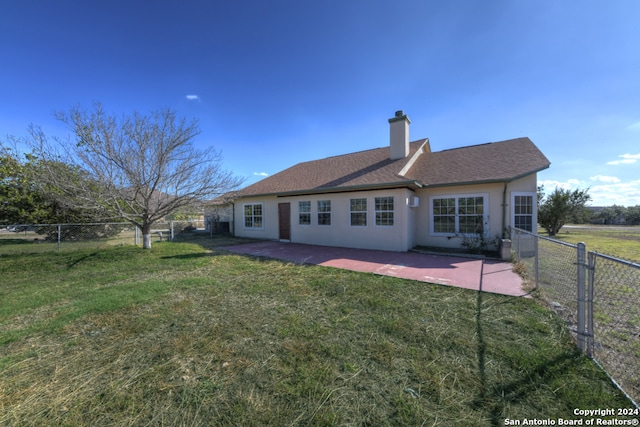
column 484, row 143
column 361, row 151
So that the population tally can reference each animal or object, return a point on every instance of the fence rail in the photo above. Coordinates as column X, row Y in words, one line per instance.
column 597, row 295
column 57, row 237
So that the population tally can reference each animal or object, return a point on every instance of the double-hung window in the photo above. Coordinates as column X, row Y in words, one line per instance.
column 253, row 216
column 523, row 210
column 471, row 215
column 461, row 214
column 384, row 211
column 324, row 212
column 304, row 213
column 358, row 212
column 443, row 215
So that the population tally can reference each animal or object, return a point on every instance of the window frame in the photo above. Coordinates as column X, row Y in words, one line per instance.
column 253, row 216
column 389, row 214
column 322, row 206
column 457, row 214
column 306, row 213
column 359, row 212
column 534, row 209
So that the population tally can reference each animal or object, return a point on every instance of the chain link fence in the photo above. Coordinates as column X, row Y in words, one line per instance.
column 614, row 295
column 597, row 295
column 21, row 238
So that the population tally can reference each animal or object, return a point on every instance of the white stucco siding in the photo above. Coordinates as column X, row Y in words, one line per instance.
column 341, row 232
column 527, row 186
column 497, row 217
column 268, row 229
column 397, row 236
column 412, row 226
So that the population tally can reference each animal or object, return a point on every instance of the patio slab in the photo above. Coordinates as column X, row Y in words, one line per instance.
column 470, row 273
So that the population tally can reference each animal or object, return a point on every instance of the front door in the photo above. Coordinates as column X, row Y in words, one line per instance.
column 284, row 221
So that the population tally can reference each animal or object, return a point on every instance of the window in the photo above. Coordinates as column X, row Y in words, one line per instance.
column 523, row 210
column 253, row 215
column 358, row 212
column 304, row 213
column 471, row 215
column 464, row 214
column 324, row 212
column 444, row 215
column 384, row 211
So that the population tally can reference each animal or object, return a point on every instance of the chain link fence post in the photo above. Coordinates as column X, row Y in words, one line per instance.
column 536, row 261
column 581, row 296
column 590, row 294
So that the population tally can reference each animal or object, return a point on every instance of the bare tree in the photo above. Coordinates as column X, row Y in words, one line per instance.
column 139, row 167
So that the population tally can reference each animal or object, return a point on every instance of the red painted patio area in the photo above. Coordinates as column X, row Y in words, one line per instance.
column 469, row 273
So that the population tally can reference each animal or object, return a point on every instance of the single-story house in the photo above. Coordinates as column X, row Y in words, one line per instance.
column 397, row 197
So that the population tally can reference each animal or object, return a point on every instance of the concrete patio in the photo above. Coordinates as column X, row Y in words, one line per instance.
column 486, row 275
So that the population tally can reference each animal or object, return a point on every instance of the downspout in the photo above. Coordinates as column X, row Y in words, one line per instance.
column 504, row 211
column 233, row 219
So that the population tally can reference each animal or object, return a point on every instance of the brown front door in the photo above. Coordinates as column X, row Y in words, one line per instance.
column 284, row 220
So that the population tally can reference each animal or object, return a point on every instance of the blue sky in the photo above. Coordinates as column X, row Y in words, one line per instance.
column 279, row 82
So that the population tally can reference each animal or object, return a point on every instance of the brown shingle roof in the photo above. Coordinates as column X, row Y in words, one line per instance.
column 498, row 161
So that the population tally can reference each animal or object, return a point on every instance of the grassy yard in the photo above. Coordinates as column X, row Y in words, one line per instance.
column 189, row 335
column 618, row 241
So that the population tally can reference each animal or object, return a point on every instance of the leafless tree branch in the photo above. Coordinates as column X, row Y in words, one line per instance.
column 140, row 167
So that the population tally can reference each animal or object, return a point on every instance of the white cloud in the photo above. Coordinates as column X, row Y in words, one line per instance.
column 603, row 178
column 260, row 174
column 550, row 184
column 193, row 97
column 608, row 191
column 618, row 193
column 634, row 126
column 627, row 159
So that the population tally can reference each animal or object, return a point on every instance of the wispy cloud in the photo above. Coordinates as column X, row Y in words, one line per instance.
column 634, row 126
column 260, row 174
column 193, row 97
column 603, row 178
column 618, row 193
column 550, row 184
column 627, row 159
column 604, row 190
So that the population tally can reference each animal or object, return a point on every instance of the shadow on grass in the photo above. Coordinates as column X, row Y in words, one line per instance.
column 212, row 241
column 189, row 256
column 75, row 262
column 8, row 242
column 498, row 396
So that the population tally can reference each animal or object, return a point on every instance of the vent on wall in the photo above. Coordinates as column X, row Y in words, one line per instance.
column 413, row 202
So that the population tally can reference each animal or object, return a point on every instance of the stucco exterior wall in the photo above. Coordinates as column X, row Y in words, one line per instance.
column 269, row 229
column 498, row 217
column 396, row 237
column 412, row 225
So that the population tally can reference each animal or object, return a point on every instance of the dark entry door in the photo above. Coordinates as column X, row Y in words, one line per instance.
column 284, row 220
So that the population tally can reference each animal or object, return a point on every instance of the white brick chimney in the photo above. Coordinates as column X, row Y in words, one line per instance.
column 399, row 135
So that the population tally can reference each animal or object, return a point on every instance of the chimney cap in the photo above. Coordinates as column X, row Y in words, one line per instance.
column 400, row 115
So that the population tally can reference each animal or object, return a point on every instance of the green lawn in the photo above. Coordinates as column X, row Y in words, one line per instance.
column 618, row 241
column 188, row 335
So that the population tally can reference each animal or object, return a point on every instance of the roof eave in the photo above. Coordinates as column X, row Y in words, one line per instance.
column 486, row 181
column 346, row 189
